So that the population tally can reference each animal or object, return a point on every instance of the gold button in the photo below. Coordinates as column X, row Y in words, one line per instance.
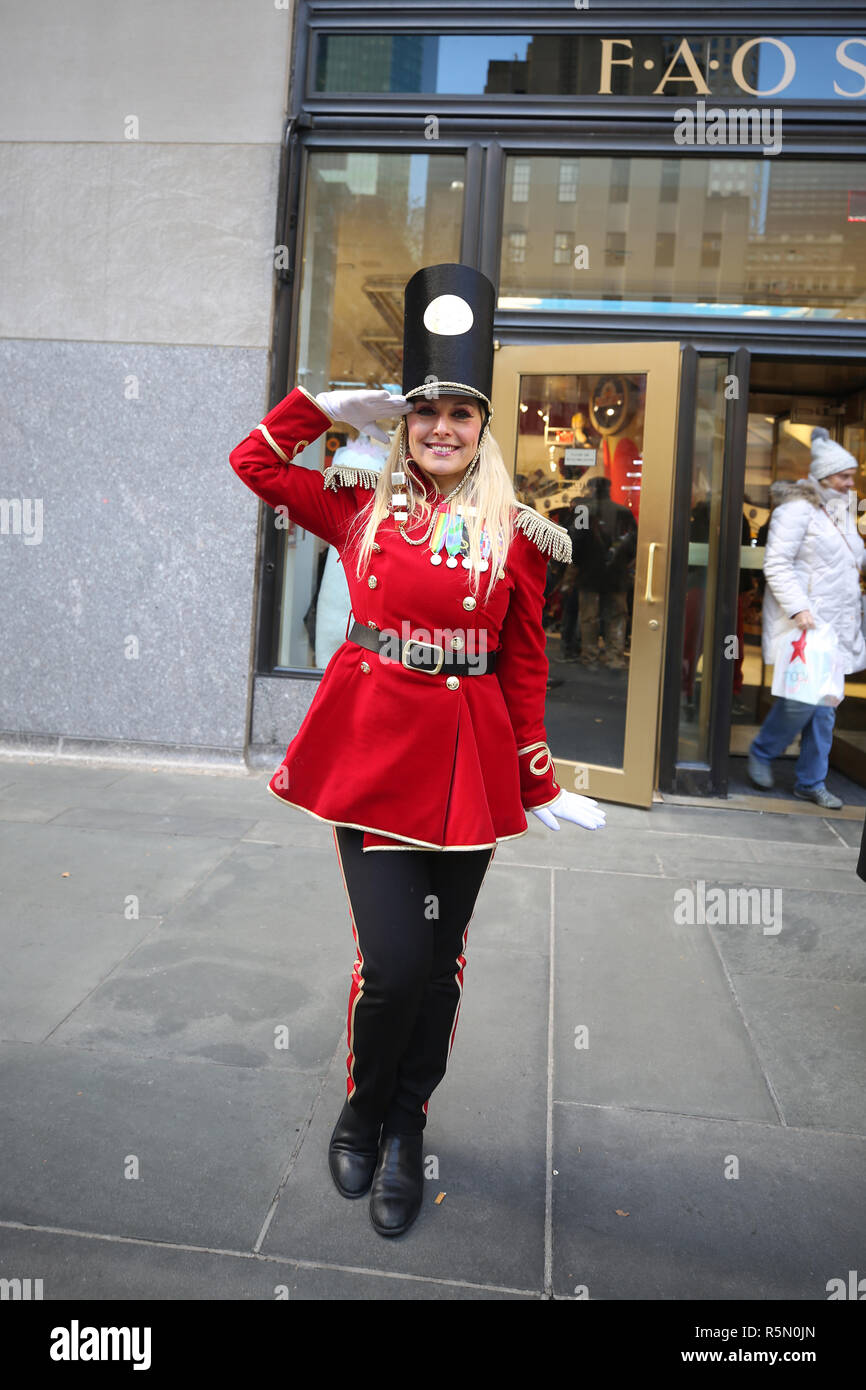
column 457, row 643
column 377, row 547
column 453, row 683
column 502, row 574
column 469, row 604
column 373, row 626
column 372, row 581
column 365, row 667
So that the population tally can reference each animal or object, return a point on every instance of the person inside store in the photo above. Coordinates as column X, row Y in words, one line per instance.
column 424, row 746
column 812, row 565
column 604, row 550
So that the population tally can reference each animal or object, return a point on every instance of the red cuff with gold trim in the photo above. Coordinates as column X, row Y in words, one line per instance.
column 538, row 784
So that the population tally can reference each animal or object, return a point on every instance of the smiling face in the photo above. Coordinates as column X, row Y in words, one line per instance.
column 443, row 437
column 840, row 482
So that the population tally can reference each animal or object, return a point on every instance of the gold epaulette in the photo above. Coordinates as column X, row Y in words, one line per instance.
column 347, row 475
column 552, row 539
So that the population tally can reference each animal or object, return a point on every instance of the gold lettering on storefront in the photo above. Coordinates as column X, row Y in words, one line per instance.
column 620, row 53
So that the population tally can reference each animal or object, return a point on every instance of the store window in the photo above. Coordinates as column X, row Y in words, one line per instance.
column 750, row 237
column 372, row 219
column 800, row 67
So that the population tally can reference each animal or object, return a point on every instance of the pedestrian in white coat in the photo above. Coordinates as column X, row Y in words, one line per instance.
column 812, row 565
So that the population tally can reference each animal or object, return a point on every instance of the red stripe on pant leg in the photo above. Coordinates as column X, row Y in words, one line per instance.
column 461, row 961
column 356, row 989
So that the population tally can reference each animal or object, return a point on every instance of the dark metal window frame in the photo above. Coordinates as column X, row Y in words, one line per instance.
column 710, row 777
column 488, row 130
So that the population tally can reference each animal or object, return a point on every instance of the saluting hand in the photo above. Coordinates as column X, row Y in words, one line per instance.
column 361, row 408
column 580, row 809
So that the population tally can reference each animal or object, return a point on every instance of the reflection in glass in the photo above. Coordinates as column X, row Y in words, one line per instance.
column 579, row 460
column 726, row 236
column 699, row 647
column 371, row 221
column 572, row 64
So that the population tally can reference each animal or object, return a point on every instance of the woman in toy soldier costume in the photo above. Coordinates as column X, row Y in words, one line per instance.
column 426, row 733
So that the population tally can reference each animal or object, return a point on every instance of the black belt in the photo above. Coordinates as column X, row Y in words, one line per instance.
column 426, row 657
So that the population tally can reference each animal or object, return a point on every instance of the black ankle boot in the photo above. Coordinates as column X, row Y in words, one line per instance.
column 398, row 1183
column 353, row 1153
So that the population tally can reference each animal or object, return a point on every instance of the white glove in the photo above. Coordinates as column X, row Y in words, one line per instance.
column 580, row 809
column 361, row 408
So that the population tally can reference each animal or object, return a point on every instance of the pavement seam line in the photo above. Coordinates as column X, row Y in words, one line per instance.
column 714, row 1119
column 305, row 1128
column 829, row 826
column 758, row 1058
column 258, row 1256
column 577, row 869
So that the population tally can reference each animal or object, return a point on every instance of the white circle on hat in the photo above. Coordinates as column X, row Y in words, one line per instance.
column 448, row 314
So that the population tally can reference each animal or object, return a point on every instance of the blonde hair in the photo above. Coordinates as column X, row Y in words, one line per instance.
column 489, row 491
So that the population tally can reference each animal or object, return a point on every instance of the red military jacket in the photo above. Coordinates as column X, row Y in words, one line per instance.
column 412, row 759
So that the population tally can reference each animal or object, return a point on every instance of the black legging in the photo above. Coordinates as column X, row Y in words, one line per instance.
column 411, row 911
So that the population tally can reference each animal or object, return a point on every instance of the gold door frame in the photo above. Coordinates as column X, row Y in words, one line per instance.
column 632, row 784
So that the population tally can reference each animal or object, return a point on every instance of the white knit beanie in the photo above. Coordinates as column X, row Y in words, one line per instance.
column 828, row 456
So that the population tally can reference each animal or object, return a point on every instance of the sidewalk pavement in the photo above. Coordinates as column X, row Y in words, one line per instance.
column 638, row 1106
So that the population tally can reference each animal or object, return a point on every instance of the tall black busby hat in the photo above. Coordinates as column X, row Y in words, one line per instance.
column 448, row 333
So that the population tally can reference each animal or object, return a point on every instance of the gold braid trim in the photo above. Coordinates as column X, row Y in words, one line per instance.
column 347, row 475
column 552, row 539
column 541, row 762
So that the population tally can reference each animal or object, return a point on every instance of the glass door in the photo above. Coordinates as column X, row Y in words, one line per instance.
column 589, row 433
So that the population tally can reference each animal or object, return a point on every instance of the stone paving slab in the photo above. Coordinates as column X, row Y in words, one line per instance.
column 53, row 959
column 288, row 827
column 841, row 878
column 486, row 1131
column 262, row 944
column 285, row 902
column 56, row 777
column 104, row 868
column 512, row 909
column 212, row 1143
column 198, row 999
column 820, row 937
column 745, row 825
column 809, row 1035
column 841, row 857
column 156, row 792
column 613, row 847
column 663, row 1029
column 152, row 823
column 708, row 849
column 791, row 1221
column 100, row 1269
column 12, row 811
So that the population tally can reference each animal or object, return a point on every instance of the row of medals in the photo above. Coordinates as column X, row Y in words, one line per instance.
column 448, row 532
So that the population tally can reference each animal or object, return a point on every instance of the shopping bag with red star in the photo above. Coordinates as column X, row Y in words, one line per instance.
column 808, row 666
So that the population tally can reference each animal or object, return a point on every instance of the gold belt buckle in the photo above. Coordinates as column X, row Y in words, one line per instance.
column 424, row 671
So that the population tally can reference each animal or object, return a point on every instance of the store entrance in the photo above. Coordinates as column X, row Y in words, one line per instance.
column 589, row 434
column 786, row 400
